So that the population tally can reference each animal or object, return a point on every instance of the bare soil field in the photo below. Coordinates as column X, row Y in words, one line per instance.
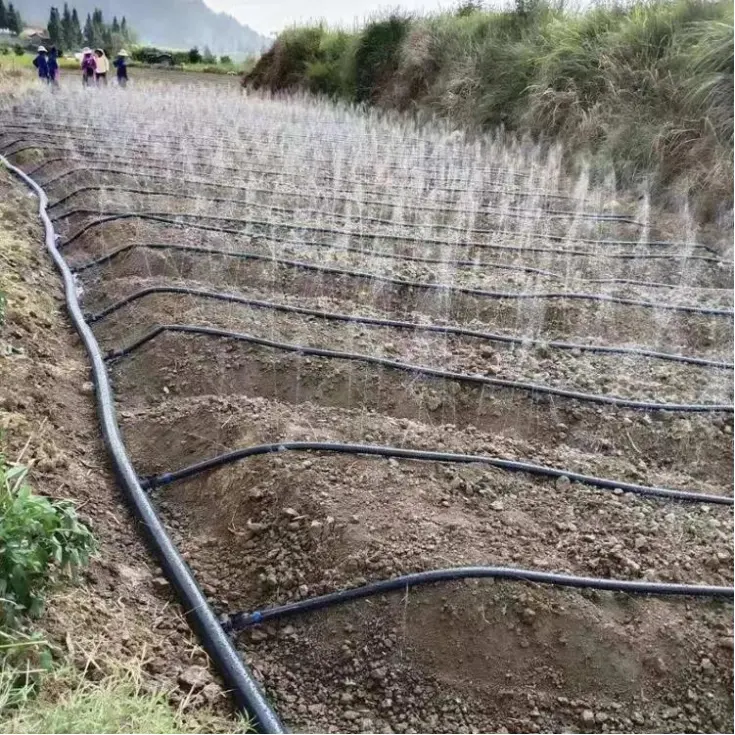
column 270, row 271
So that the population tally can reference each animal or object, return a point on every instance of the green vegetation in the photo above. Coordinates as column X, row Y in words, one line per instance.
column 646, row 87
column 66, row 33
column 120, row 702
column 40, row 540
column 191, row 60
column 24, row 60
column 10, row 18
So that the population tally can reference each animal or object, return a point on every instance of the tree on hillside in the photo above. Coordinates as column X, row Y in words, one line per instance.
column 54, row 28
column 3, row 15
column 13, row 20
column 88, row 32
column 65, row 28
column 115, row 25
column 76, row 38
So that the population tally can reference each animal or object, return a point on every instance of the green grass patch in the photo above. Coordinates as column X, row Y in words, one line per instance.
column 69, row 701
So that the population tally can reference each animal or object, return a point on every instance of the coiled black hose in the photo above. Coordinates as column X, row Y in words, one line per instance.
column 237, row 676
column 394, row 323
column 532, row 388
column 242, row 620
column 154, row 481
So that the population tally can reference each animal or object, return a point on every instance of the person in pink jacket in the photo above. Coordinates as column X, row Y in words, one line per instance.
column 89, row 67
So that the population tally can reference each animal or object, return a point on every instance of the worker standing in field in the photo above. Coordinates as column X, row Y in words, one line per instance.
column 102, row 67
column 121, row 65
column 89, row 67
column 53, row 67
column 41, row 63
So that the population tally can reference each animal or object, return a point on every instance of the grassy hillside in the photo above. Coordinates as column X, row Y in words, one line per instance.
column 646, row 87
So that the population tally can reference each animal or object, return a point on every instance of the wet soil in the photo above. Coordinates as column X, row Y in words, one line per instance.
column 463, row 657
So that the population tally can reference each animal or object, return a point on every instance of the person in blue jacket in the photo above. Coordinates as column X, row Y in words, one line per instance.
column 121, row 65
column 53, row 67
column 41, row 63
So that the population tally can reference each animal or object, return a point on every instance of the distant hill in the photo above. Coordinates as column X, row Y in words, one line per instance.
column 170, row 23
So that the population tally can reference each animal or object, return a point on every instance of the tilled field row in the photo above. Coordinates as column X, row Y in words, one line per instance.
column 301, row 296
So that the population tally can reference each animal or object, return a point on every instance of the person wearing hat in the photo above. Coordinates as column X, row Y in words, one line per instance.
column 53, row 67
column 102, row 67
column 89, row 66
column 121, row 65
column 41, row 63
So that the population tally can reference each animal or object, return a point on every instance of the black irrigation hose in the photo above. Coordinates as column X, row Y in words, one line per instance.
column 168, row 217
column 515, row 212
column 533, row 388
column 101, row 135
column 413, row 258
column 393, row 323
column 281, row 137
column 224, row 185
column 509, row 465
column 452, row 228
column 363, row 218
column 243, row 620
column 237, row 676
column 496, row 295
column 144, row 148
column 321, row 175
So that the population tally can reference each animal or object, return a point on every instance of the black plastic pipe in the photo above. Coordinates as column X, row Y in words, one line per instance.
column 523, row 234
column 168, row 218
column 532, row 388
column 321, row 175
column 511, row 211
column 410, row 258
column 382, row 145
column 426, row 286
column 237, row 676
column 155, row 481
column 242, row 620
column 394, row 323
column 219, row 184
column 204, row 151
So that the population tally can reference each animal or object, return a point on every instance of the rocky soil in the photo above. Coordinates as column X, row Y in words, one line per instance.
column 474, row 656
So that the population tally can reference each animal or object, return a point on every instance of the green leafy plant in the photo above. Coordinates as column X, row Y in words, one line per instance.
column 40, row 540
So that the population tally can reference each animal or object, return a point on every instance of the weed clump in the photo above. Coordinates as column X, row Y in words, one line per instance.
column 40, row 540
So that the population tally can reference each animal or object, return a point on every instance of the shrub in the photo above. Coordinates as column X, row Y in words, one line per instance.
column 194, row 56
column 225, row 60
column 40, row 539
column 377, row 56
column 19, row 50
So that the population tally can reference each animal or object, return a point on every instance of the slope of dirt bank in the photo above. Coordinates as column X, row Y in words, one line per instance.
column 122, row 611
